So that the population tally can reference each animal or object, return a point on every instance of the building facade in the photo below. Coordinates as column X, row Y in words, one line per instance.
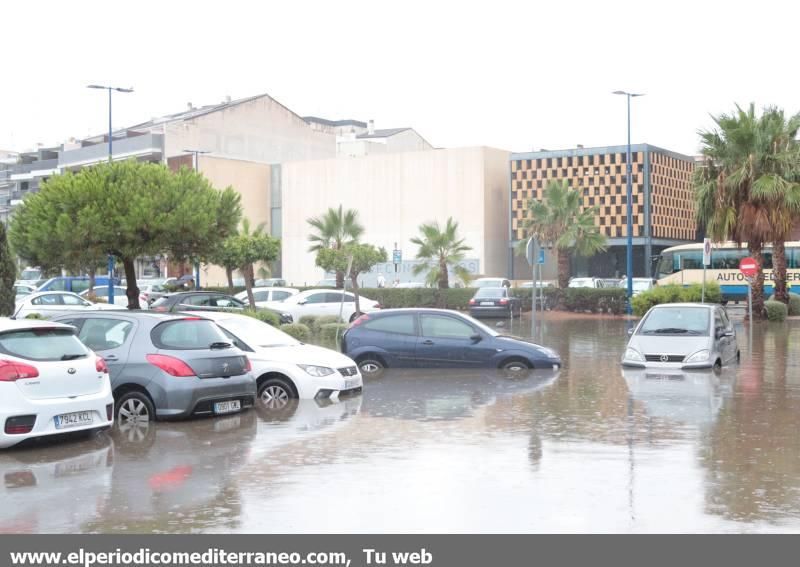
column 663, row 210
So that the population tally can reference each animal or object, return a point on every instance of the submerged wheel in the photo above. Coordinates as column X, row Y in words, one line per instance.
column 371, row 367
column 275, row 393
column 515, row 369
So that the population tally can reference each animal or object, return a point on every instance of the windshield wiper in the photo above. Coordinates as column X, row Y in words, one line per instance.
column 219, row 345
column 72, row 356
column 667, row 330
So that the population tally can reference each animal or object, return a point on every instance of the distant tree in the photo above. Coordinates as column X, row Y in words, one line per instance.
column 334, row 229
column 441, row 248
column 249, row 246
column 364, row 258
column 8, row 273
column 128, row 209
column 227, row 256
column 559, row 220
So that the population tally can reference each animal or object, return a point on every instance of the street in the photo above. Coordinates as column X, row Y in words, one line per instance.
column 586, row 449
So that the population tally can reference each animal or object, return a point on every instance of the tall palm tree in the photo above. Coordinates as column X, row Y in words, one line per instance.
column 440, row 248
column 560, row 221
column 334, row 229
column 746, row 189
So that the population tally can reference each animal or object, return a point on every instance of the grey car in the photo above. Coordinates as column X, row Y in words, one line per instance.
column 683, row 335
column 167, row 366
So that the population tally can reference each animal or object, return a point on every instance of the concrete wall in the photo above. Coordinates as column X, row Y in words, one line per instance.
column 394, row 194
column 260, row 130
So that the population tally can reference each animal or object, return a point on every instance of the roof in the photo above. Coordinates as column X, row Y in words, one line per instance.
column 385, row 133
column 7, row 324
column 326, row 122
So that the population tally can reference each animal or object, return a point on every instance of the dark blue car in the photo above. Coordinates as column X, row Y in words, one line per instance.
column 436, row 338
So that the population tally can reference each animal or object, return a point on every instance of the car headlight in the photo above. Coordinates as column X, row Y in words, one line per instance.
column 316, row 371
column 699, row 356
column 633, row 354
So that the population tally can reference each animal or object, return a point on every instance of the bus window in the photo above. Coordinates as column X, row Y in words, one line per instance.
column 727, row 259
column 766, row 260
column 665, row 266
column 689, row 260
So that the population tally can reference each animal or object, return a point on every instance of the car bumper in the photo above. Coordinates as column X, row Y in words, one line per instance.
column 329, row 386
column 496, row 311
column 194, row 396
column 46, row 410
column 667, row 365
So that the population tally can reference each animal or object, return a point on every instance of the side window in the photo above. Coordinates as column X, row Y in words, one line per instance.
column 79, row 285
column 222, row 301
column 261, row 296
column 725, row 320
column 316, row 298
column 236, row 341
column 442, row 327
column 58, row 285
column 104, row 334
column 718, row 324
column 71, row 300
column 200, row 300
column 336, row 297
column 397, row 324
column 51, row 299
column 280, row 295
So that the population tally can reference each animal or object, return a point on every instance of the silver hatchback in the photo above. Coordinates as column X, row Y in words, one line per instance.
column 167, row 366
column 683, row 335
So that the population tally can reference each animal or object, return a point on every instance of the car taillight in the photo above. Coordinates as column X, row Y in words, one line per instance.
column 20, row 424
column 472, row 302
column 359, row 321
column 247, row 366
column 13, row 371
column 100, row 365
column 504, row 301
column 171, row 365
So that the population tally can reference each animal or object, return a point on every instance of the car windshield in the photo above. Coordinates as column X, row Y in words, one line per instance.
column 257, row 333
column 489, row 283
column 30, row 274
column 676, row 321
column 638, row 285
column 582, row 282
column 43, row 344
column 490, row 293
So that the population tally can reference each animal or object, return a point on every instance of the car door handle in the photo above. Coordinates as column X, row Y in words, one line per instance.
column 111, row 357
column 428, row 342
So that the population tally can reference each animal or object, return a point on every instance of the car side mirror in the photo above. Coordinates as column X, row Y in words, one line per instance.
column 631, row 330
column 302, row 302
column 476, row 338
column 728, row 334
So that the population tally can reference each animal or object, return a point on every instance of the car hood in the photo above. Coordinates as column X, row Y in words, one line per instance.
column 519, row 341
column 668, row 344
column 303, row 354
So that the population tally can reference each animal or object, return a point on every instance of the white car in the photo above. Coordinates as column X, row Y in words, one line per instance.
column 320, row 302
column 101, row 291
column 265, row 294
column 51, row 303
column 585, row 282
column 21, row 290
column 410, row 285
column 490, row 282
column 49, row 382
column 284, row 367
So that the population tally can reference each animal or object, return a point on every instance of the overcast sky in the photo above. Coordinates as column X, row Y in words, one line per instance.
column 513, row 75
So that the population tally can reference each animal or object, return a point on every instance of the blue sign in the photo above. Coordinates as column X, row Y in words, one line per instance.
column 397, row 257
column 541, row 256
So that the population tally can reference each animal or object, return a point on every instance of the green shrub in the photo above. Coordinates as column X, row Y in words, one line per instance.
column 262, row 315
column 34, row 316
column 776, row 310
column 328, row 331
column 794, row 303
column 324, row 320
column 603, row 300
column 674, row 293
column 309, row 321
column 694, row 293
column 300, row 332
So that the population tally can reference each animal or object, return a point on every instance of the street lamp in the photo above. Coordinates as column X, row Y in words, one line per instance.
column 628, row 171
column 196, row 166
column 110, row 136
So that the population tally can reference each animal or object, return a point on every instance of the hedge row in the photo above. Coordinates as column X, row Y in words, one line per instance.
column 674, row 294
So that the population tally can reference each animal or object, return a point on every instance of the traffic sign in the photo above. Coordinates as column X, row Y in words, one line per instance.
column 534, row 251
column 706, row 251
column 748, row 267
column 541, row 256
column 397, row 256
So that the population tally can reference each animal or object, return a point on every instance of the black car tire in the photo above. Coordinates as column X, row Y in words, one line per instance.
column 515, row 368
column 275, row 393
column 134, row 407
column 371, row 367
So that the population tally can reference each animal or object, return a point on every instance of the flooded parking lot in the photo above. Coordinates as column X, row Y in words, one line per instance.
column 587, row 449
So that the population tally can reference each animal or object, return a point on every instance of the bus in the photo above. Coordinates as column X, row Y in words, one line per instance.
column 683, row 265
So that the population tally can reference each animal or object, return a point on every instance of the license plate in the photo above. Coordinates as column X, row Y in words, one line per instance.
column 74, row 419
column 227, row 407
column 487, row 302
column 351, row 383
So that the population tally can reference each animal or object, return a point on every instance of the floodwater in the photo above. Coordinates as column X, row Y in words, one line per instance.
column 588, row 449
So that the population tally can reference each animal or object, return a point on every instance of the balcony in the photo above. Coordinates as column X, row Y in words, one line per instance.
column 25, row 171
column 149, row 147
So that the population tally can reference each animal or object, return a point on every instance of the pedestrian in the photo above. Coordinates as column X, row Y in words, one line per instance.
column 381, row 281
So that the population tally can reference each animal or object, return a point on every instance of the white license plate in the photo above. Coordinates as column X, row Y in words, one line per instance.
column 74, row 419
column 227, row 407
column 351, row 383
column 487, row 302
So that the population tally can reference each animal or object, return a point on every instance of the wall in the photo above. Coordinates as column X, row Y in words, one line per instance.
column 394, row 194
column 407, row 141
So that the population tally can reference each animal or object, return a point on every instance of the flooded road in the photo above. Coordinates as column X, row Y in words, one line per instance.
column 588, row 449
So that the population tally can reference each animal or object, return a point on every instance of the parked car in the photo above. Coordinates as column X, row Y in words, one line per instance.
column 284, row 367
column 50, row 303
column 166, row 366
column 539, row 284
column 437, row 338
column 683, row 335
column 327, row 282
column 410, row 285
column 101, row 291
column 206, row 301
column 494, row 302
column 610, row 282
column 586, row 282
column 50, row 383
column 21, row 290
column 491, row 282
column 271, row 282
column 265, row 294
column 150, row 290
column 639, row 285
column 75, row 284
column 319, row 302
column 30, row 276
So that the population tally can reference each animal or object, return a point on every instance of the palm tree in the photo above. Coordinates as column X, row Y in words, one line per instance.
column 335, row 228
column 440, row 249
column 746, row 189
column 558, row 220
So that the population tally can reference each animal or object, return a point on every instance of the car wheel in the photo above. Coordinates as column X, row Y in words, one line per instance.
column 371, row 367
column 275, row 393
column 515, row 369
column 134, row 410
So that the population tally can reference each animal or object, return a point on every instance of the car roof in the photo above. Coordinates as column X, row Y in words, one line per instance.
column 412, row 310
column 7, row 324
column 50, row 292
column 702, row 305
column 143, row 314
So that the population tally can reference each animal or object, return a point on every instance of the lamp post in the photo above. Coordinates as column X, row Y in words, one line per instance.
column 110, row 154
column 196, row 166
column 629, row 188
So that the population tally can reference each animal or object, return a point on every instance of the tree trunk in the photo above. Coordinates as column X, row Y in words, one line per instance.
column 133, row 290
column 339, row 279
column 779, row 271
column 229, row 275
column 758, row 285
column 444, row 279
column 92, row 272
column 248, row 284
column 354, row 284
column 563, row 268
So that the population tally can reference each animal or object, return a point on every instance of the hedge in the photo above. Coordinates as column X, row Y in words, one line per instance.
column 298, row 331
column 794, row 303
column 329, row 331
column 674, row 293
column 265, row 316
column 776, row 310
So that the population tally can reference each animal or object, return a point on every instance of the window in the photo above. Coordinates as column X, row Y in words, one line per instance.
column 439, row 326
column 59, row 284
column 104, row 334
column 337, row 297
column 73, row 300
column 280, row 295
column 236, row 341
column 727, row 259
column 43, row 344
column 317, row 298
column 719, row 324
column 397, row 324
column 203, row 300
column 224, row 301
column 687, row 320
column 80, row 285
column 187, row 334
column 50, row 299
column 491, row 293
column 261, row 296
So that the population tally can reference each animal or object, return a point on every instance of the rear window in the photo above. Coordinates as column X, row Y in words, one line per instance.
column 491, row 292
column 400, row 324
column 43, row 344
column 187, row 334
column 160, row 301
